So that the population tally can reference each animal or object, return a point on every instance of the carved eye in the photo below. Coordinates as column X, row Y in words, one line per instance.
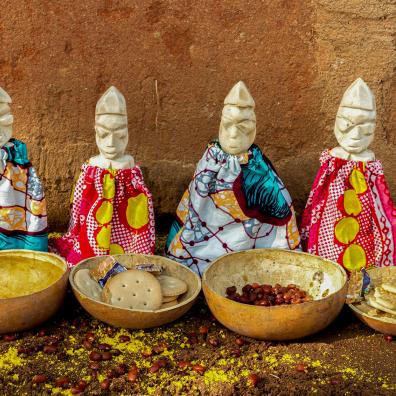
column 343, row 125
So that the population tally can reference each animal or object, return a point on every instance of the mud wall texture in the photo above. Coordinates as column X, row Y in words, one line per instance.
column 175, row 60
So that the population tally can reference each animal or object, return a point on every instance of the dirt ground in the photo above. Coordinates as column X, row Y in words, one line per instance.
column 195, row 355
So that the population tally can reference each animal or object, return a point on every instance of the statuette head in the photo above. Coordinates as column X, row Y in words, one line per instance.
column 111, row 124
column 356, row 116
column 6, row 118
column 238, row 120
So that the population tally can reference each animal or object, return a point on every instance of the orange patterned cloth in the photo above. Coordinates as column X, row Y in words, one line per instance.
column 111, row 213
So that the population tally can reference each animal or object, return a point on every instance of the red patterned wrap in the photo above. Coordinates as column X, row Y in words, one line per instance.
column 111, row 213
column 350, row 217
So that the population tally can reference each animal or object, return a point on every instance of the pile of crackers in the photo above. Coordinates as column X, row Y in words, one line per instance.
column 383, row 297
column 144, row 287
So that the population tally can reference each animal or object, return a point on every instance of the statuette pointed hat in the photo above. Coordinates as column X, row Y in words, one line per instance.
column 5, row 110
column 239, row 96
column 112, row 102
column 4, row 97
column 358, row 96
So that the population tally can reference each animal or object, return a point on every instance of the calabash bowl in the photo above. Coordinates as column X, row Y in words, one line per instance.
column 323, row 280
column 383, row 323
column 27, row 311
column 133, row 318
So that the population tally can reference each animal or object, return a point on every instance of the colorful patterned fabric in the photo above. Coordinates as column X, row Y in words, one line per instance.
column 350, row 217
column 233, row 203
column 111, row 213
column 23, row 212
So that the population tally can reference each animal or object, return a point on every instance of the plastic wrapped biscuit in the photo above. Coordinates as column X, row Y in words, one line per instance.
column 106, row 269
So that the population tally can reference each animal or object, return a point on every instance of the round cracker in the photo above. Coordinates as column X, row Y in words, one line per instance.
column 372, row 301
column 133, row 289
column 87, row 284
column 389, row 287
column 385, row 298
column 169, row 299
column 171, row 286
column 169, row 304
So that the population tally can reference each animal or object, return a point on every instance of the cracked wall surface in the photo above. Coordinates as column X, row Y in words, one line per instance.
column 175, row 60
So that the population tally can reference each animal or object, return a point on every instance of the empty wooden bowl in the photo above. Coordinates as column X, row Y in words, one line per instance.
column 322, row 279
column 384, row 323
column 29, row 310
column 132, row 318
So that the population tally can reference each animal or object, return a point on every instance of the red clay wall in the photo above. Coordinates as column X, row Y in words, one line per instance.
column 175, row 61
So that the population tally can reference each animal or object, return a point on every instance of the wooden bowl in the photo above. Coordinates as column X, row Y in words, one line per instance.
column 133, row 318
column 25, row 312
column 324, row 280
column 383, row 323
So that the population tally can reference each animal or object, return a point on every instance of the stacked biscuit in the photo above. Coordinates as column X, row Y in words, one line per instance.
column 138, row 289
column 383, row 296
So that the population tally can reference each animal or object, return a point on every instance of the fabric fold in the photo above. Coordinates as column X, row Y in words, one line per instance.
column 111, row 213
column 233, row 203
column 349, row 217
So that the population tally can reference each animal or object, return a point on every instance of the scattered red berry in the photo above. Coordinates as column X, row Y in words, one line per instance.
column 39, row 379
column 154, row 368
column 199, row 368
column 82, row 384
column 107, row 356
column 9, row 337
column 49, row 349
column 301, row 368
column 95, row 356
column 105, row 384
column 133, row 374
column 147, row 353
column 388, row 337
column 183, row 364
column 121, row 369
column 203, row 330
column 94, row 366
column 61, row 382
column 104, row 347
column 253, row 380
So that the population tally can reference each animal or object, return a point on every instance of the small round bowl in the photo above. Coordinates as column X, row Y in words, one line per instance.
column 25, row 312
column 133, row 318
column 322, row 279
column 383, row 323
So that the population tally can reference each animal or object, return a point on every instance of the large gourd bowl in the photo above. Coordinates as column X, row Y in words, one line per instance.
column 133, row 318
column 27, row 311
column 324, row 280
column 384, row 324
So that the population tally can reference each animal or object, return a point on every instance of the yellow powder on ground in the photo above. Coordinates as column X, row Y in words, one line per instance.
column 10, row 359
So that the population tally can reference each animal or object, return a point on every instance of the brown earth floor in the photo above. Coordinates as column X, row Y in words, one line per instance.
column 197, row 356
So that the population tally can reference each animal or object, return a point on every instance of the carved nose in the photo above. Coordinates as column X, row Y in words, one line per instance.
column 355, row 133
column 233, row 132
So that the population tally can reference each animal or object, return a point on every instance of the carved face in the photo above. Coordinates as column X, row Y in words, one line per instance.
column 6, row 122
column 354, row 129
column 111, row 135
column 237, row 129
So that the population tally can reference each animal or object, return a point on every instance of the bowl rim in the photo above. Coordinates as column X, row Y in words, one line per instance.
column 205, row 283
column 40, row 291
column 359, row 312
column 383, row 320
column 75, row 268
